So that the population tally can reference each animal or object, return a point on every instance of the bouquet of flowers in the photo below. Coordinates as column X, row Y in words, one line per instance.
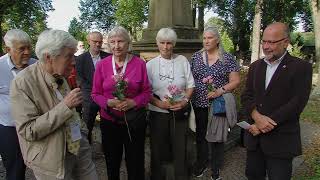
column 175, row 94
column 120, row 93
column 209, row 82
column 120, row 86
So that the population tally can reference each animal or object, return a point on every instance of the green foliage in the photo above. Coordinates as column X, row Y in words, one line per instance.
column 77, row 30
column 306, row 17
column 227, row 43
column 97, row 14
column 223, row 30
column 131, row 14
column 27, row 15
column 282, row 11
column 238, row 91
column 311, row 154
column 295, row 50
column 238, row 16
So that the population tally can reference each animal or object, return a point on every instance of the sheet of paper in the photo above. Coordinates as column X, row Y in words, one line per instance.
column 244, row 124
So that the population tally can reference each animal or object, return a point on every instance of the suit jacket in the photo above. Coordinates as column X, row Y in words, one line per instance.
column 283, row 101
column 40, row 120
column 85, row 71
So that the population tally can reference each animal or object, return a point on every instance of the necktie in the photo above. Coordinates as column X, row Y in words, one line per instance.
column 72, row 146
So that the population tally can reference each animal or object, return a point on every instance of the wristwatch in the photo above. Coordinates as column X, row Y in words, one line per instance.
column 223, row 90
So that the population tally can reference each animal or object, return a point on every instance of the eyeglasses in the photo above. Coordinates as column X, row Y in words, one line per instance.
column 272, row 42
column 22, row 49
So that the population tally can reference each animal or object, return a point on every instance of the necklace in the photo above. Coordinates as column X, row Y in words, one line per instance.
column 165, row 72
column 123, row 68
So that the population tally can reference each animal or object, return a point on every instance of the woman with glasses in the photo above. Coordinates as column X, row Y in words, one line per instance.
column 172, row 86
column 211, row 61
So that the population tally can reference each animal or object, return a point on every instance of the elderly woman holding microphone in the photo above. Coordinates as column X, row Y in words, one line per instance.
column 122, row 106
column 169, row 111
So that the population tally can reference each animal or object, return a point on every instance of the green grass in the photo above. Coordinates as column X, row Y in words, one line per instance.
column 311, row 113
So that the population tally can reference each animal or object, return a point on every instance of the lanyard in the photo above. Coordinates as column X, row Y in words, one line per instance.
column 205, row 56
column 124, row 65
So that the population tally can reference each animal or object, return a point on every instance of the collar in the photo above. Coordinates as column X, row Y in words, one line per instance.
column 94, row 57
column 48, row 78
column 276, row 62
column 12, row 65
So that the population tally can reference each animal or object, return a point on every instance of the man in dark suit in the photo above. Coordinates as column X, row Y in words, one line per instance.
column 85, row 66
column 277, row 90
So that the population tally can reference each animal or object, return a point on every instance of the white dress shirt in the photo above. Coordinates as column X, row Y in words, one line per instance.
column 271, row 69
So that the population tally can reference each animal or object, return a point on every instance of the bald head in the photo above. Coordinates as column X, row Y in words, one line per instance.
column 280, row 28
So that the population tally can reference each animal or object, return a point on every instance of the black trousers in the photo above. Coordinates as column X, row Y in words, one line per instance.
column 168, row 145
column 258, row 164
column 90, row 111
column 11, row 154
column 201, row 118
column 217, row 155
column 114, row 139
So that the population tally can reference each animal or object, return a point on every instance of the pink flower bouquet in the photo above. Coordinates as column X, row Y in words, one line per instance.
column 209, row 82
column 175, row 94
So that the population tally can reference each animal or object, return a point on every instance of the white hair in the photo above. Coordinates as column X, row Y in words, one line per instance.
column 216, row 33
column 16, row 35
column 167, row 34
column 53, row 42
column 120, row 32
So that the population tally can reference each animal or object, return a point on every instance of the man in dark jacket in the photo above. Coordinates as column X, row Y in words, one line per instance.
column 277, row 90
column 85, row 66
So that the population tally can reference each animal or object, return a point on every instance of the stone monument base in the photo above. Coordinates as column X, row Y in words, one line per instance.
column 148, row 49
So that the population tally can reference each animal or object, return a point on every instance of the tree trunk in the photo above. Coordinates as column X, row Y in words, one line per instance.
column 200, row 18
column 315, row 7
column 255, row 54
column 194, row 14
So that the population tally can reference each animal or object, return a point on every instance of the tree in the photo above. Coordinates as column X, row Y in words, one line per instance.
column 28, row 15
column 131, row 14
column 238, row 15
column 97, row 14
column 255, row 45
column 223, row 31
column 199, row 5
column 305, row 16
column 282, row 11
column 77, row 30
column 315, row 7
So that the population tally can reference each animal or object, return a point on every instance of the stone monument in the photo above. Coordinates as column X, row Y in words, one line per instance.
column 176, row 14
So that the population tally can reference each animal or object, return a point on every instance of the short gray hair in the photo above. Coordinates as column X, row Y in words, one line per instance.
column 216, row 33
column 16, row 35
column 53, row 42
column 121, row 32
column 167, row 34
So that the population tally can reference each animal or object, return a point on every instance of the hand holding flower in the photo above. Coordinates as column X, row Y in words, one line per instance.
column 163, row 104
column 209, row 82
column 214, row 94
column 178, row 105
column 113, row 102
column 126, row 104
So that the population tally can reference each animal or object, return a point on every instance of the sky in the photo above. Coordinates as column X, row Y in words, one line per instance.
column 66, row 10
